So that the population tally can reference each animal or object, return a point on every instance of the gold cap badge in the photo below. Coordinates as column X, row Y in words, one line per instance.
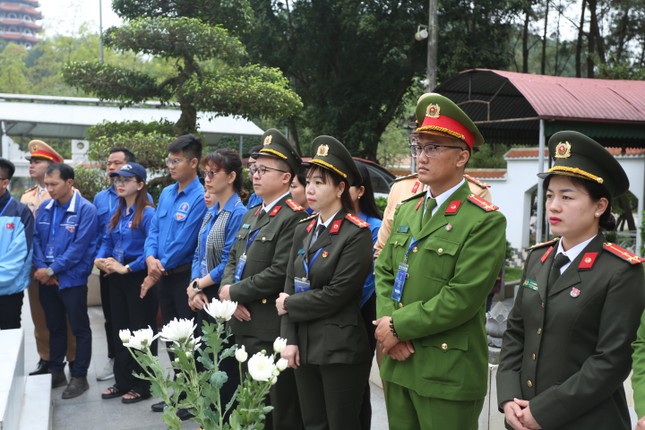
column 267, row 140
column 433, row 111
column 563, row 150
column 322, row 151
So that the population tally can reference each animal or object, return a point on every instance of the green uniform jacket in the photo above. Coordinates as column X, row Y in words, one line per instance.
column 266, row 264
column 325, row 322
column 638, row 377
column 567, row 349
column 451, row 272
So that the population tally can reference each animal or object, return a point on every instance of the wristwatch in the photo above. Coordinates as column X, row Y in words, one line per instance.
column 50, row 272
column 195, row 286
column 127, row 267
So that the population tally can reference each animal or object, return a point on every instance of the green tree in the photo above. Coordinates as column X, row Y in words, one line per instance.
column 13, row 72
column 211, row 68
column 352, row 61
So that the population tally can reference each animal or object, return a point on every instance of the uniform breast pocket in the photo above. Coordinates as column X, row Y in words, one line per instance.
column 399, row 244
column 447, row 355
column 264, row 242
column 163, row 213
column 440, row 255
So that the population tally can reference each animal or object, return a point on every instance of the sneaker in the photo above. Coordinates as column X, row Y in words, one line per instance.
column 76, row 387
column 107, row 372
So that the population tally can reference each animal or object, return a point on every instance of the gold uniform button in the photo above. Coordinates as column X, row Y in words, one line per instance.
column 533, row 356
column 407, row 276
column 542, row 305
column 264, row 301
column 263, row 238
column 539, row 331
column 529, row 383
column 414, row 249
column 440, row 250
column 400, row 304
column 396, row 242
column 444, row 346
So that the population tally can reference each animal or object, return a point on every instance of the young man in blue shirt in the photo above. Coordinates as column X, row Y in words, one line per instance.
column 172, row 237
column 64, row 249
column 16, row 227
column 106, row 203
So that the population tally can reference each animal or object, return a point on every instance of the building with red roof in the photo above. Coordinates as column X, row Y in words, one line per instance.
column 18, row 22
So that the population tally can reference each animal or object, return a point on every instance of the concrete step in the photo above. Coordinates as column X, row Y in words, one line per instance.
column 37, row 404
column 12, row 377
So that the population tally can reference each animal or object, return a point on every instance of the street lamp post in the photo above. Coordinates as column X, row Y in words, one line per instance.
column 100, row 31
column 432, row 45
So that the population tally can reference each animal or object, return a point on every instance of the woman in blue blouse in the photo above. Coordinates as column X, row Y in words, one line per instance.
column 122, row 258
column 362, row 195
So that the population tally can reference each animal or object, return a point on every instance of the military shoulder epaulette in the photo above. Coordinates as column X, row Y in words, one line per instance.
column 413, row 197
column 623, row 253
column 543, row 244
column 482, row 203
column 31, row 188
column 310, row 217
column 480, row 184
column 254, row 206
column 357, row 221
column 294, row 205
column 401, row 178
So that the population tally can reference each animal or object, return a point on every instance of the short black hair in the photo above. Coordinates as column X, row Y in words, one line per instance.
column 66, row 172
column 7, row 168
column 129, row 156
column 188, row 144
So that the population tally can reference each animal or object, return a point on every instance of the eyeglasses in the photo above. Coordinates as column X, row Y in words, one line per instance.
column 122, row 181
column 173, row 161
column 210, row 173
column 431, row 150
column 261, row 170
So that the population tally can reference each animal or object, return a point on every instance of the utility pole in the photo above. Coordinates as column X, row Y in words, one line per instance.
column 100, row 32
column 433, row 36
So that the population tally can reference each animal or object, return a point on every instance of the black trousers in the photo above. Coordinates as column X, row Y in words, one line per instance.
column 331, row 395
column 61, row 305
column 173, row 299
column 368, row 312
column 283, row 396
column 131, row 312
column 104, row 284
column 10, row 310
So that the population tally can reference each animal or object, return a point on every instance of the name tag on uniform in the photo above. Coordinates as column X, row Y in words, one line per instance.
column 239, row 269
column 530, row 284
column 49, row 253
column 399, row 282
column 402, row 229
column 301, row 285
column 118, row 253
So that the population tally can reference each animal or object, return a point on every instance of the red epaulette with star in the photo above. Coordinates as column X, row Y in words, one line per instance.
column 622, row 253
column 275, row 211
column 453, row 207
column 311, row 224
column 484, row 204
column 480, row 184
column 549, row 243
column 294, row 205
column 357, row 221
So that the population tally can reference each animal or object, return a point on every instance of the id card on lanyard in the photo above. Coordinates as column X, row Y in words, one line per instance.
column 118, row 252
column 50, row 248
column 239, row 269
column 402, row 273
column 302, row 284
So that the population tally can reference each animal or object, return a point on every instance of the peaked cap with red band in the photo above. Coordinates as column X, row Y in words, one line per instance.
column 437, row 114
column 40, row 149
column 275, row 145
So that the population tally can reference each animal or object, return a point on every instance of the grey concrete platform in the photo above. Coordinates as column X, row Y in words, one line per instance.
column 90, row 411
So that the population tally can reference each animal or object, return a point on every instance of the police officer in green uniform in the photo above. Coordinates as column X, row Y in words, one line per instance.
column 566, row 351
column 322, row 321
column 255, row 272
column 432, row 279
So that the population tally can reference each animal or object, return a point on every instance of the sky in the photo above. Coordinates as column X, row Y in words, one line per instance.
column 66, row 16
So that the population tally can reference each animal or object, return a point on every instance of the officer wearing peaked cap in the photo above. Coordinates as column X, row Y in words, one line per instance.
column 255, row 271
column 432, row 278
column 567, row 348
column 322, row 322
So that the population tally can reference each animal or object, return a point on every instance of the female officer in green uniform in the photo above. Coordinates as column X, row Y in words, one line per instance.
column 566, row 351
column 330, row 259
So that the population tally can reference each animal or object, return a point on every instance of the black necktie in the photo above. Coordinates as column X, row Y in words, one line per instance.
column 319, row 230
column 559, row 261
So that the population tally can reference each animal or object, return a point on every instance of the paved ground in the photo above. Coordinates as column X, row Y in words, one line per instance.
column 90, row 411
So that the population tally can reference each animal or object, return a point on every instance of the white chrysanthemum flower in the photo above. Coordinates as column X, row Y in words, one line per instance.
column 282, row 364
column 279, row 344
column 261, row 367
column 178, row 330
column 141, row 339
column 125, row 335
column 221, row 310
column 241, row 355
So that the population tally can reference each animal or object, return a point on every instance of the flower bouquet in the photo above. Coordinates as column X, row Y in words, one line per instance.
column 197, row 388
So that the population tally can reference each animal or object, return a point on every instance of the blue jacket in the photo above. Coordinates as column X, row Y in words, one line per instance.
column 72, row 231
column 233, row 224
column 368, row 286
column 106, row 202
column 16, row 233
column 129, row 240
column 174, row 228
